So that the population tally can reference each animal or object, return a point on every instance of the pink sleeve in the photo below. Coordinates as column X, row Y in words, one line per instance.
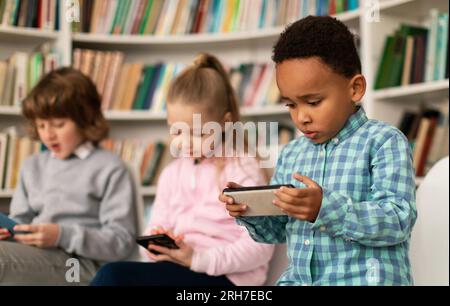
column 159, row 216
column 244, row 254
column 241, row 256
column 245, row 172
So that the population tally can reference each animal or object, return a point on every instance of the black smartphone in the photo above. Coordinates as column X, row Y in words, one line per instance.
column 158, row 239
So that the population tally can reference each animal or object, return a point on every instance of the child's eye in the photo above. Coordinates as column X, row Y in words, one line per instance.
column 290, row 105
column 314, row 103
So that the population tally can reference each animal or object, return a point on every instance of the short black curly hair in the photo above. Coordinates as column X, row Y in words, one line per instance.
column 321, row 36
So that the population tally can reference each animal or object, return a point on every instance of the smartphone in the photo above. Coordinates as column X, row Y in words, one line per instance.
column 158, row 239
column 8, row 223
column 257, row 198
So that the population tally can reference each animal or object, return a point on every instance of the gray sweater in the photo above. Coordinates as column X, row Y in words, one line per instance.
column 91, row 199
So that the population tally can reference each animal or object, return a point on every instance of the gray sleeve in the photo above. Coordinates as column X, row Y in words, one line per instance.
column 114, row 240
column 20, row 209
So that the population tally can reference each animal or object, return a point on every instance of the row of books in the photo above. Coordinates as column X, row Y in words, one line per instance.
column 21, row 72
column 148, row 158
column 255, row 84
column 126, row 86
column 428, row 133
column 415, row 54
column 41, row 14
column 135, row 86
column 172, row 17
column 13, row 151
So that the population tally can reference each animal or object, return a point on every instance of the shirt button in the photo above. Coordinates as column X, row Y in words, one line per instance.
column 307, row 242
column 322, row 154
column 335, row 140
column 323, row 228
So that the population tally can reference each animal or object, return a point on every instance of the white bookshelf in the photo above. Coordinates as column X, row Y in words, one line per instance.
column 115, row 115
column 6, row 194
column 9, row 110
column 148, row 191
column 386, row 104
column 414, row 92
column 8, row 33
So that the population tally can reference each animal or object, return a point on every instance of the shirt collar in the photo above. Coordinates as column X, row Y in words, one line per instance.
column 83, row 150
column 353, row 123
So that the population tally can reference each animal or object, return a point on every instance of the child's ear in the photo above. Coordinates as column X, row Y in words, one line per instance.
column 357, row 88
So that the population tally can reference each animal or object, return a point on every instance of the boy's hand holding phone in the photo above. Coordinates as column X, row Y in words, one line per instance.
column 41, row 235
column 182, row 255
column 301, row 203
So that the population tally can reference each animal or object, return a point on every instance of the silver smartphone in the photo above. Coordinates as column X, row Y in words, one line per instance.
column 257, row 198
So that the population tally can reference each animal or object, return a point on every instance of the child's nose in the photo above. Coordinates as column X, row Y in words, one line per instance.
column 49, row 133
column 303, row 117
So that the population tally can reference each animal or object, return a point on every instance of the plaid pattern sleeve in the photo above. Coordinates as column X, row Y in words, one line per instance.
column 361, row 235
column 387, row 217
column 267, row 229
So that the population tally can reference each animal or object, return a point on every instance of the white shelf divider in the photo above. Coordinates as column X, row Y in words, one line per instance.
column 148, row 191
column 435, row 87
column 145, row 191
column 137, row 115
column 6, row 194
column 10, row 110
column 22, row 32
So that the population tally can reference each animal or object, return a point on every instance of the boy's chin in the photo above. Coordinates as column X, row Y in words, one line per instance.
column 320, row 140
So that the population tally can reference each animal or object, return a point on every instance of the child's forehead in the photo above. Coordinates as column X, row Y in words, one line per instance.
column 307, row 75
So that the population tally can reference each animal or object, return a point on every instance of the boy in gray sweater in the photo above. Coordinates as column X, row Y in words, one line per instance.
column 75, row 200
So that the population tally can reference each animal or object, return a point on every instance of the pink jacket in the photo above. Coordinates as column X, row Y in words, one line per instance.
column 187, row 202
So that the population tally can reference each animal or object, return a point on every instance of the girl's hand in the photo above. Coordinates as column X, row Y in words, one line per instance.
column 234, row 209
column 159, row 230
column 41, row 235
column 4, row 234
column 303, row 204
column 181, row 256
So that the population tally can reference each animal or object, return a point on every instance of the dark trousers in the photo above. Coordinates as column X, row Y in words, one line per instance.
column 154, row 274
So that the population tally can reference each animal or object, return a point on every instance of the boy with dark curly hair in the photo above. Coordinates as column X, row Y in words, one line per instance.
column 349, row 218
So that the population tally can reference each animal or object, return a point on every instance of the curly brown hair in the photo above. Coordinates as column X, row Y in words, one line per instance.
column 321, row 36
column 67, row 93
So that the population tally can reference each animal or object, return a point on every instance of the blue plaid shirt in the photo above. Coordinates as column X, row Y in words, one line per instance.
column 361, row 235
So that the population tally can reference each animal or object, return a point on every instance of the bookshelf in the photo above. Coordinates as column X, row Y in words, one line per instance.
column 414, row 92
column 386, row 104
column 9, row 33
